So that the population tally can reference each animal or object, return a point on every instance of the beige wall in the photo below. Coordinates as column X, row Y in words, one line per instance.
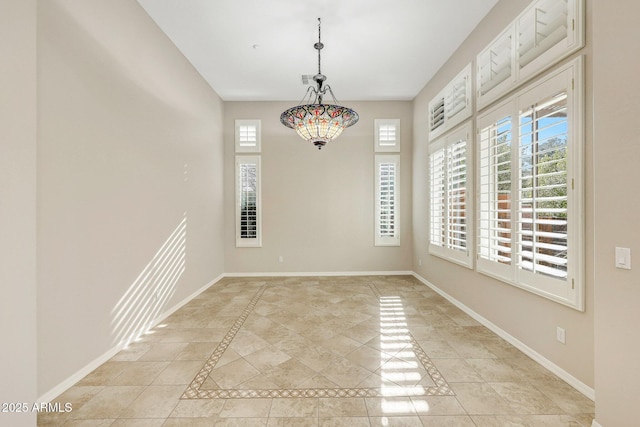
column 318, row 205
column 617, row 208
column 129, row 147
column 527, row 317
column 18, row 366
column 120, row 114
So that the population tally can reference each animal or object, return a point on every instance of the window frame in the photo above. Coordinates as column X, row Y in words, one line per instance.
column 248, row 242
column 570, row 292
column 444, row 144
column 379, row 238
column 440, row 107
column 240, row 145
column 387, row 146
column 541, row 59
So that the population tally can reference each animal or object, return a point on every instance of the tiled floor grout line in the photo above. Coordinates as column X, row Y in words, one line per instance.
column 242, row 348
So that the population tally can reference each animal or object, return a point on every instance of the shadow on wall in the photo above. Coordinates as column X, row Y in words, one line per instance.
column 149, row 294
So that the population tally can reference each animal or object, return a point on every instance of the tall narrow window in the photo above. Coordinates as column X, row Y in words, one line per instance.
column 387, row 200
column 542, row 221
column 530, row 229
column 494, row 219
column 451, row 202
column 248, row 201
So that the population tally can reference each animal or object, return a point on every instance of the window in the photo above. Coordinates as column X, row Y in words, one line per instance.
column 387, row 133
column 543, row 34
column 387, row 209
column 248, row 203
column 530, row 227
column 452, row 105
column 495, row 68
column 451, row 179
column 247, row 184
column 247, row 136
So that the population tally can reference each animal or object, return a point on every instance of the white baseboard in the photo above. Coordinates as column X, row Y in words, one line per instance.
column 91, row 366
column 595, row 424
column 322, row 273
column 70, row 381
column 564, row 375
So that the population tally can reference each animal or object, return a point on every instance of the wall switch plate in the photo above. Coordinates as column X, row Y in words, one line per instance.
column 561, row 335
column 623, row 258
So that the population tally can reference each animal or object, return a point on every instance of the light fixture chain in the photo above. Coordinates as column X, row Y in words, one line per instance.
column 319, row 44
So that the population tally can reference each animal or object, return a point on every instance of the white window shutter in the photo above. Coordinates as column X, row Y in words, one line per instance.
column 495, row 237
column 436, row 116
column 387, row 207
column 530, row 225
column 452, row 105
column 437, row 169
column 540, row 27
column 496, row 73
column 457, row 101
column 451, row 201
column 247, row 136
column 387, row 135
column 546, row 32
column 248, row 202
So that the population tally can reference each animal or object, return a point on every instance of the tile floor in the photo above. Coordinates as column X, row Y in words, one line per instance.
column 321, row 351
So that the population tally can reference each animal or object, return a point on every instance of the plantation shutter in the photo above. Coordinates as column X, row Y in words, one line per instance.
column 542, row 219
column 437, row 172
column 530, row 225
column 457, row 98
column 436, row 109
column 452, row 105
column 456, row 195
column 387, row 133
column 495, row 63
column 451, row 209
column 247, row 136
column 494, row 222
column 540, row 28
column 248, row 201
column 387, row 175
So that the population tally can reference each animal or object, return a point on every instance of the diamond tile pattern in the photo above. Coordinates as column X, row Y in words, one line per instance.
column 321, row 351
column 386, row 361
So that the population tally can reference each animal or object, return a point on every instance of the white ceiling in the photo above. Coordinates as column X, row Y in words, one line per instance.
column 257, row 50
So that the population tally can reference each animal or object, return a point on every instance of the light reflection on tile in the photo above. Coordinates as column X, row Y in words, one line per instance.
column 299, row 364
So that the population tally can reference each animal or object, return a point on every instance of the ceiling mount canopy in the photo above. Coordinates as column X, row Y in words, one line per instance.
column 313, row 120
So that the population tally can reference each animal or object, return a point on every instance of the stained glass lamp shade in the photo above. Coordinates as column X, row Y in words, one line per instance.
column 314, row 121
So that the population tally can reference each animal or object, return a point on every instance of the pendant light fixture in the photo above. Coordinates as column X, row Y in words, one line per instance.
column 313, row 120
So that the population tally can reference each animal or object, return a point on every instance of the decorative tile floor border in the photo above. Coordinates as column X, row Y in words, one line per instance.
column 194, row 390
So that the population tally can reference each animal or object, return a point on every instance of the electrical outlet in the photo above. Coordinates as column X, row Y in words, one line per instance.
column 280, row 258
column 561, row 335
